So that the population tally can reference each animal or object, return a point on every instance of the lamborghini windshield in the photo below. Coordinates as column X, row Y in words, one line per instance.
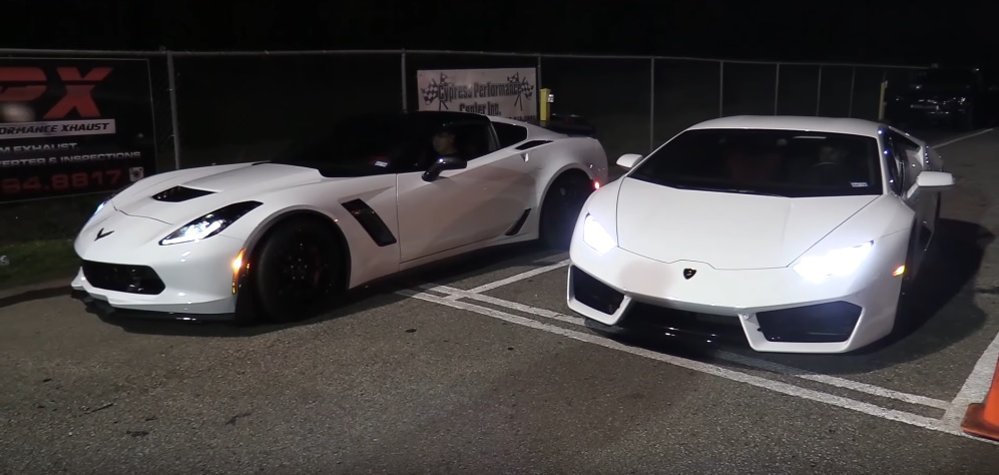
column 767, row 162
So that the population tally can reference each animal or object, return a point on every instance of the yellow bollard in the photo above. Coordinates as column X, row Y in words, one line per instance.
column 545, row 97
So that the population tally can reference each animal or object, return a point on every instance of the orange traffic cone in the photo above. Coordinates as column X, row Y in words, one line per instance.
column 983, row 419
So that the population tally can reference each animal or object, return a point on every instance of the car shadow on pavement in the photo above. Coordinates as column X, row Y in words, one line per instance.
column 35, row 294
column 939, row 312
column 377, row 294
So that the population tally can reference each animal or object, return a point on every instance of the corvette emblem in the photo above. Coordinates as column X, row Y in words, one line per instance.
column 688, row 273
column 102, row 234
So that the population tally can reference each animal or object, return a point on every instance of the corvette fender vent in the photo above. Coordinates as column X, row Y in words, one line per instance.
column 519, row 223
column 180, row 193
column 370, row 221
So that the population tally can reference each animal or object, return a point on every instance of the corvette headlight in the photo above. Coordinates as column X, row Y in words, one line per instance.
column 209, row 224
column 101, row 206
column 596, row 236
column 837, row 262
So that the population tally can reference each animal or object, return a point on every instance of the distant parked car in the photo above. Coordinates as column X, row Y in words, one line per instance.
column 373, row 196
column 961, row 97
column 799, row 231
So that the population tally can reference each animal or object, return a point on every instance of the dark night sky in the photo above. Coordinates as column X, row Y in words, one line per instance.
column 882, row 31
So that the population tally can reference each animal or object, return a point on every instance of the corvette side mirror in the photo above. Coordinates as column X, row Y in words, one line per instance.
column 442, row 164
column 628, row 160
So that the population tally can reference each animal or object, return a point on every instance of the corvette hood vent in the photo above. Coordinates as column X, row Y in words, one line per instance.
column 180, row 193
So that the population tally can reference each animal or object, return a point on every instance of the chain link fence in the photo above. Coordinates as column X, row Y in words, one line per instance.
column 225, row 107
column 219, row 107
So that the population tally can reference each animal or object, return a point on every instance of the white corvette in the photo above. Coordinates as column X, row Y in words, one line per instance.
column 377, row 195
column 801, row 231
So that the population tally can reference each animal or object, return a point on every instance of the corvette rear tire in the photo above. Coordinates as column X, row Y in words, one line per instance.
column 297, row 271
column 560, row 209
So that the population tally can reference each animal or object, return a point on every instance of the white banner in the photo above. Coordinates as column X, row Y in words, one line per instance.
column 508, row 92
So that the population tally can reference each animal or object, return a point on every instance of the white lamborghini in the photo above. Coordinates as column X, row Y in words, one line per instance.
column 800, row 232
column 377, row 195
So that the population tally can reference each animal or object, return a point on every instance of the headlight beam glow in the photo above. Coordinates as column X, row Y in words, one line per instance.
column 834, row 263
column 596, row 236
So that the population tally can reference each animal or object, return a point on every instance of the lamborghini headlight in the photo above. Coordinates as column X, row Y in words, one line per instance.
column 596, row 236
column 209, row 224
column 835, row 263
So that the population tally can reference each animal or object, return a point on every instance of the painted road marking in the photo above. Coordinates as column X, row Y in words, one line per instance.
column 727, row 356
column 693, row 365
column 517, row 278
column 963, row 137
column 975, row 387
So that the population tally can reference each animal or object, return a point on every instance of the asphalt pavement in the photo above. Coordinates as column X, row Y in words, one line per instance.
column 476, row 365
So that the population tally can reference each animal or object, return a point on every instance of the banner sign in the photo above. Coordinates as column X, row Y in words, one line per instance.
column 502, row 92
column 71, row 126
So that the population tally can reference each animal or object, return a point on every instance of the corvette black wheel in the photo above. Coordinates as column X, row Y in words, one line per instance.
column 297, row 271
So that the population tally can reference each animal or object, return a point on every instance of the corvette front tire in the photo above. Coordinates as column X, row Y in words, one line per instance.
column 297, row 271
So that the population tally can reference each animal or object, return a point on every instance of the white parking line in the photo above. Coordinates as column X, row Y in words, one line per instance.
column 834, row 381
column 963, row 137
column 975, row 387
column 519, row 277
column 764, row 383
column 727, row 356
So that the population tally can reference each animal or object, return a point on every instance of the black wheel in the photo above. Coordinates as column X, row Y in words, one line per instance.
column 297, row 270
column 561, row 208
column 910, row 263
column 904, row 321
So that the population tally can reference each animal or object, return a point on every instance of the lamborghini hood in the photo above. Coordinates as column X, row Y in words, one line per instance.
column 190, row 193
column 725, row 230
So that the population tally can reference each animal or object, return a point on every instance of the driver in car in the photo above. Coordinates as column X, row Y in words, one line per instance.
column 444, row 145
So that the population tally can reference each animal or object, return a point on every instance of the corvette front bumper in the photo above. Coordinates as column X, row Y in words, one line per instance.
column 129, row 270
column 777, row 310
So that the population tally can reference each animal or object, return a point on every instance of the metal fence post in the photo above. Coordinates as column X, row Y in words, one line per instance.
column 539, row 85
column 853, row 78
column 174, row 122
column 721, row 88
column 881, row 97
column 402, row 76
column 652, row 103
column 818, row 92
column 776, row 86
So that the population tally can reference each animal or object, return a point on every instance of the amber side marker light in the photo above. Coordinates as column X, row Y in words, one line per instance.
column 238, row 265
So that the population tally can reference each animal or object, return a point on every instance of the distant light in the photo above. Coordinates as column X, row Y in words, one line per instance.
column 596, row 185
column 899, row 271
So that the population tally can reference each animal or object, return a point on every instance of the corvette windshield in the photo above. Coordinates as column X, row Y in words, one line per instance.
column 358, row 146
column 766, row 162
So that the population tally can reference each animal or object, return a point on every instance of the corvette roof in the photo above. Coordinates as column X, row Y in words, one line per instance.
column 805, row 123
